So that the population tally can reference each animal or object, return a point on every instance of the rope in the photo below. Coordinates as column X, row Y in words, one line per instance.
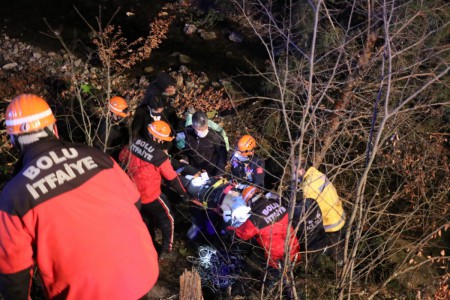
column 218, row 270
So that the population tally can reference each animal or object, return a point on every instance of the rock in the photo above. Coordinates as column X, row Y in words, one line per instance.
column 183, row 69
column 37, row 55
column 189, row 29
column 180, row 80
column 9, row 66
column 149, row 69
column 184, row 59
column 224, row 82
column 143, row 80
column 51, row 54
column 208, row 35
column 78, row 62
column 189, row 82
column 203, row 78
column 236, row 37
column 216, row 85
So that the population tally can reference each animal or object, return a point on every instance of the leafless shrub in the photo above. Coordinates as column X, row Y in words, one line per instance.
column 358, row 88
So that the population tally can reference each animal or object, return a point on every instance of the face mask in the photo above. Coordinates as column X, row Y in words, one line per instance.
column 202, row 134
column 240, row 157
column 155, row 116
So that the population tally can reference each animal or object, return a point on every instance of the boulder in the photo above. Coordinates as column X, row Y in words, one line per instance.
column 149, row 69
column 184, row 59
column 189, row 29
column 208, row 35
column 9, row 66
column 78, row 62
column 236, row 37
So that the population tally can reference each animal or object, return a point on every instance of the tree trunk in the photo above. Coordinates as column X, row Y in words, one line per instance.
column 190, row 286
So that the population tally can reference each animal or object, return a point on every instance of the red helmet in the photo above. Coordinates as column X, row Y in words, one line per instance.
column 246, row 145
column 119, row 106
column 249, row 192
column 28, row 113
column 160, row 130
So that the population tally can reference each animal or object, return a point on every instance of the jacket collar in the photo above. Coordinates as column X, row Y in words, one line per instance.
column 35, row 149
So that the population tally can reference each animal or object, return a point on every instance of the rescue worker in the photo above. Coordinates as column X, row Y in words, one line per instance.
column 308, row 223
column 315, row 185
column 267, row 220
column 147, row 165
column 113, row 133
column 71, row 210
column 245, row 164
column 156, row 106
column 204, row 149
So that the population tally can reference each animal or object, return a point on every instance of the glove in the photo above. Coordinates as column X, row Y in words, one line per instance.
column 227, row 217
column 180, row 136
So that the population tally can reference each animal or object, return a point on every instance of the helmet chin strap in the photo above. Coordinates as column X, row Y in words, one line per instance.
column 52, row 132
column 15, row 141
column 22, row 140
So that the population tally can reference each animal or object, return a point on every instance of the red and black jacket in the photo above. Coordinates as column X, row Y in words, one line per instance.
column 269, row 224
column 72, row 211
column 147, row 165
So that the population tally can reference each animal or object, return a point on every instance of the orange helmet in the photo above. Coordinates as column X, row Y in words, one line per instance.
column 160, row 130
column 246, row 145
column 249, row 192
column 28, row 113
column 119, row 106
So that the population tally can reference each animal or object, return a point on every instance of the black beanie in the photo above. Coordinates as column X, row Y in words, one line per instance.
column 163, row 80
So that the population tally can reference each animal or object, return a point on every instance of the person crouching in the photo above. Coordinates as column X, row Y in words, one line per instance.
column 267, row 220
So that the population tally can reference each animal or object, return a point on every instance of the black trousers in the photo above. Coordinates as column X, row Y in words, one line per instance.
column 158, row 214
column 336, row 243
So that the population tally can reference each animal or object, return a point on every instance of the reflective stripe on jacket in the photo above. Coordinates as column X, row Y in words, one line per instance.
column 316, row 185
